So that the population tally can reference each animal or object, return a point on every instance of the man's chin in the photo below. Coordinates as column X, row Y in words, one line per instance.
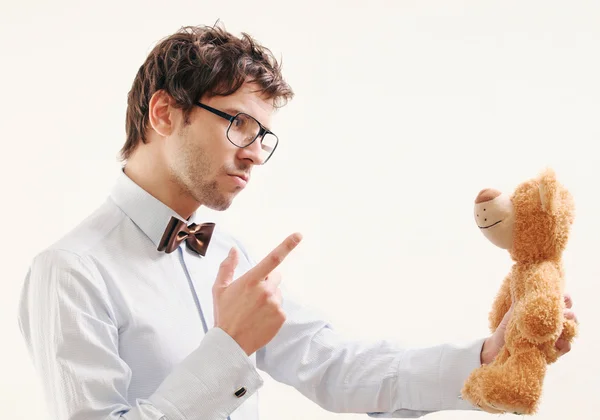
column 219, row 207
column 221, row 203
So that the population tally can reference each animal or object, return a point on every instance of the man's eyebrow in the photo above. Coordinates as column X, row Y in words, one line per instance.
column 234, row 111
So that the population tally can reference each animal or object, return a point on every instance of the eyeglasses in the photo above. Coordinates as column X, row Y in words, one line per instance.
column 244, row 129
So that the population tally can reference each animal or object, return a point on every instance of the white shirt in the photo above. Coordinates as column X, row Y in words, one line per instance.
column 119, row 330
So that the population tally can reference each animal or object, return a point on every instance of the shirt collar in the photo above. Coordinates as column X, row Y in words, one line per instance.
column 146, row 211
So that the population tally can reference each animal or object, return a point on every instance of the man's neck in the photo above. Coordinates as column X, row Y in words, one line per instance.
column 153, row 178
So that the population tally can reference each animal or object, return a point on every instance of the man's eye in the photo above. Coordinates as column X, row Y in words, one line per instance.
column 238, row 122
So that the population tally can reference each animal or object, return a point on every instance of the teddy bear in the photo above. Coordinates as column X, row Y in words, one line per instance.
column 533, row 225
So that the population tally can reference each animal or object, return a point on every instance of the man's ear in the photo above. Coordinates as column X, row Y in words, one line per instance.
column 548, row 190
column 159, row 113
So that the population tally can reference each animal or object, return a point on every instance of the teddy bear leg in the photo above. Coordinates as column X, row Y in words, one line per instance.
column 516, row 386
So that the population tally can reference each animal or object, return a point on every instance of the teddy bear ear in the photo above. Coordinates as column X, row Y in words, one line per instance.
column 548, row 190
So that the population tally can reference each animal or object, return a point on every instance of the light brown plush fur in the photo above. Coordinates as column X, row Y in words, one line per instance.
column 543, row 212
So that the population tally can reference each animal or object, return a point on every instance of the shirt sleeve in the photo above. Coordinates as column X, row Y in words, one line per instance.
column 71, row 334
column 379, row 378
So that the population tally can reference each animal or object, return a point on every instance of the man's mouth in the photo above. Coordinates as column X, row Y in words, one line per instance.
column 489, row 226
column 244, row 177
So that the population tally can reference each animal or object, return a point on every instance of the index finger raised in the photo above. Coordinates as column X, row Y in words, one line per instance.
column 273, row 259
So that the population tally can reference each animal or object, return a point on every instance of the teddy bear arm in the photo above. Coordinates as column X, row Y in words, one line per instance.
column 539, row 312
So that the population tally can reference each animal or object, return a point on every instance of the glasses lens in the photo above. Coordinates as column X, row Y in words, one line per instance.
column 243, row 130
column 269, row 142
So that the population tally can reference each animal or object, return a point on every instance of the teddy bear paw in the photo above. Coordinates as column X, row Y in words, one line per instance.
column 569, row 330
column 539, row 321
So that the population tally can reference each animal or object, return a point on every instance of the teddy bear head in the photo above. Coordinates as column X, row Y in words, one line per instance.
column 532, row 223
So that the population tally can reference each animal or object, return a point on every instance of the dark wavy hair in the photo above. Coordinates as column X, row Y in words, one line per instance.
column 197, row 61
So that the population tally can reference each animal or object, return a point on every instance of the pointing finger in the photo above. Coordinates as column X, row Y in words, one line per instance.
column 272, row 261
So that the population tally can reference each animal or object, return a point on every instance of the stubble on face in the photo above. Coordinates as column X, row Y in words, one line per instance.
column 196, row 173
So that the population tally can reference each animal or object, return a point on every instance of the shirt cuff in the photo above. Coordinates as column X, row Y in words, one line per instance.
column 456, row 365
column 212, row 382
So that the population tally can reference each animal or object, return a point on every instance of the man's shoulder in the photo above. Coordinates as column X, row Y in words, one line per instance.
column 86, row 236
column 66, row 269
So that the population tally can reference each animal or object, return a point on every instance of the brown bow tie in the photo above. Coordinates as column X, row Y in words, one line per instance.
column 197, row 237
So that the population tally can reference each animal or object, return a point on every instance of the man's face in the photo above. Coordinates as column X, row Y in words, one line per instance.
column 200, row 157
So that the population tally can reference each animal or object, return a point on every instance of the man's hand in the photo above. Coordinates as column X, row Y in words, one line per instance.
column 249, row 309
column 493, row 344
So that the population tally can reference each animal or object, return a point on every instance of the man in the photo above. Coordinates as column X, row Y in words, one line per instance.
column 146, row 310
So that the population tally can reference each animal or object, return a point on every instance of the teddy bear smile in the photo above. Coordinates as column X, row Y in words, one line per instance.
column 487, row 227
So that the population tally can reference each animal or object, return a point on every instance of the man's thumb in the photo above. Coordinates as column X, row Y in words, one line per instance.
column 226, row 270
column 504, row 323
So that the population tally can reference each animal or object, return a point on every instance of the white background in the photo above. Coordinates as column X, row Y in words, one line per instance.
column 404, row 110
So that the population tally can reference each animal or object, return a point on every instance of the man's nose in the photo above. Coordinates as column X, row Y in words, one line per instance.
column 253, row 152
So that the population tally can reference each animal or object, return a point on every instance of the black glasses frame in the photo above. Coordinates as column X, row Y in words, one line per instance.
column 261, row 133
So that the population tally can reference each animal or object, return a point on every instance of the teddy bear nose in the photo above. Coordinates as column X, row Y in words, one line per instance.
column 486, row 194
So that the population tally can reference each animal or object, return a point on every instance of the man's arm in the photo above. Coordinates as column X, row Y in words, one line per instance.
column 378, row 378
column 72, row 336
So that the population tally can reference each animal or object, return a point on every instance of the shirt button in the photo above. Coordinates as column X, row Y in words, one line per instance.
column 240, row 392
